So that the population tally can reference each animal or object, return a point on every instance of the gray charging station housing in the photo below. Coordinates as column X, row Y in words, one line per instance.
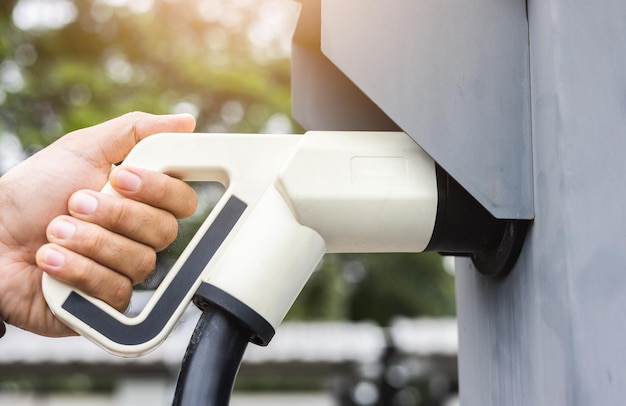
column 465, row 99
column 523, row 103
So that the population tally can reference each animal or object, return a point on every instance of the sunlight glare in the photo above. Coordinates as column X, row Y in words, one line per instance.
column 43, row 14
column 186, row 107
column 272, row 29
column 11, row 152
column 11, row 78
column 136, row 6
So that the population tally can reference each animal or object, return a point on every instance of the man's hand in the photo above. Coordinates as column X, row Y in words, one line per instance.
column 53, row 219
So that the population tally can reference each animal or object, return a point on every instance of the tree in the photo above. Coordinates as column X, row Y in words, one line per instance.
column 378, row 288
column 109, row 60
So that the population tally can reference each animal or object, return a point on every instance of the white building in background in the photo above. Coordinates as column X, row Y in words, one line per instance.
column 339, row 358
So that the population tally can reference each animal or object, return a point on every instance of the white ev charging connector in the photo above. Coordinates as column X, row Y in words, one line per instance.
column 289, row 199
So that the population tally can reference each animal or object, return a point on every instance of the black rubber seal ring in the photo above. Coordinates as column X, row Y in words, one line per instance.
column 262, row 331
column 499, row 262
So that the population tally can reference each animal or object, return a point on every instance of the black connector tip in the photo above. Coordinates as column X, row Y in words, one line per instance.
column 463, row 227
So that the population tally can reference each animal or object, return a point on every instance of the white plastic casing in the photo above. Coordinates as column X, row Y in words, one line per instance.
column 302, row 196
column 270, row 260
column 337, row 192
column 363, row 191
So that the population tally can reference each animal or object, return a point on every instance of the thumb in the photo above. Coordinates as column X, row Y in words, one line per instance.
column 111, row 141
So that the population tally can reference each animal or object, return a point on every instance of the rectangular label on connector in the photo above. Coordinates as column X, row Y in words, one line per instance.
column 378, row 171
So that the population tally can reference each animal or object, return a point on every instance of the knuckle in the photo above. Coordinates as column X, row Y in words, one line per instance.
column 96, row 244
column 191, row 201
column 146, row 265
column 119, row 213
column 169, row 232
column 133, row 118
column 161, row 192
column 127, row 218
column 121, row 293
column 186, row 200
column 81, row 277
column 134, row 115
column 135, row 228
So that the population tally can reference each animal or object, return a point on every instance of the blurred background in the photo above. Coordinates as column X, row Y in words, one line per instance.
column 366, row 330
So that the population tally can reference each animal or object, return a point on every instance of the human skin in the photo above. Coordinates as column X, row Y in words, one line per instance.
column 53, row 219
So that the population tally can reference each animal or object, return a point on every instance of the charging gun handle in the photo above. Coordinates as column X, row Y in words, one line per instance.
column 246, row 165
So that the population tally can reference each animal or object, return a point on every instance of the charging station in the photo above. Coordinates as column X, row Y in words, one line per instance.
column 497, row 130
column 522, row 102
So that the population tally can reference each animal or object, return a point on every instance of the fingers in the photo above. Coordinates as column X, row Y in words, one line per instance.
column 130, row 258
column 155, row 189
column 109, row 243
column 99, row 262
column 136, row 221
column 86, row 275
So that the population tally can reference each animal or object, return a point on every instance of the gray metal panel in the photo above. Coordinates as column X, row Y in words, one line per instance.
column 554, row 332
column 454, row 75
column 323, row 98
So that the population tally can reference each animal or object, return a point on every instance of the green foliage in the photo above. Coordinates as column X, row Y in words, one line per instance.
column 326, row 295
column 109, row 61
column 377, row 287
column 403, row 285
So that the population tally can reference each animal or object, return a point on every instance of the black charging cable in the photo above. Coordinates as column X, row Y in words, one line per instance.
column 212, row 359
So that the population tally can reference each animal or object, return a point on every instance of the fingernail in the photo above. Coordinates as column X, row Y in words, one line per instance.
column 53, row 258
column 128, row 181
column 62, row 229
column 83, row 203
